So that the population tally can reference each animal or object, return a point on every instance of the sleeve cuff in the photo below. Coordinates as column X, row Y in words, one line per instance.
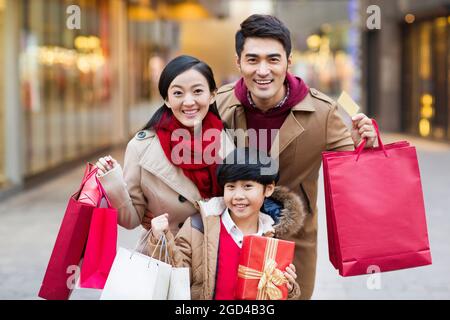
column 115, row 187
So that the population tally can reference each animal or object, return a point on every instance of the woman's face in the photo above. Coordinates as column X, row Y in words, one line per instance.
column 189, row 97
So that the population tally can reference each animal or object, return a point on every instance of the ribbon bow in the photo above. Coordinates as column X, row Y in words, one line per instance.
column 269, row 279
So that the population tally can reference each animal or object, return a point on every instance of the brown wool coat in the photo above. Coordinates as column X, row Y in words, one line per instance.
column 314, row 125
column 196, row 244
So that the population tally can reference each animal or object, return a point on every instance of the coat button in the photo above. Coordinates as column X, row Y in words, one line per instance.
column 181, row 198
column 141, row 134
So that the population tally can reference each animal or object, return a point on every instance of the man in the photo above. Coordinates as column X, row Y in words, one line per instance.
column 268, row 97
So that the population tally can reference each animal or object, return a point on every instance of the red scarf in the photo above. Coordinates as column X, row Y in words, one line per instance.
column 203, row 175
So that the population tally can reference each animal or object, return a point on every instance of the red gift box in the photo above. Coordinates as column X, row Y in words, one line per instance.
column 262, row 263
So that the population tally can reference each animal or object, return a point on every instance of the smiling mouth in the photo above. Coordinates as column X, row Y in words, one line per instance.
column 263, row 82
column 190, row 112
column 240, row 206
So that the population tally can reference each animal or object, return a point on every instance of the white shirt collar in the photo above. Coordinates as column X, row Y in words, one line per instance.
column 265, row 224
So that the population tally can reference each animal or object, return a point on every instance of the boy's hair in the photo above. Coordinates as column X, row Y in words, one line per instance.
column 247, row 164
column 263, row 26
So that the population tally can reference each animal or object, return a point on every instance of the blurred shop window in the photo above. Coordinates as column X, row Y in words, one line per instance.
column 2, row 97
column 426, row 77
column 65, row 82
column 151, row 42
column 325, row 63
column 155, row 65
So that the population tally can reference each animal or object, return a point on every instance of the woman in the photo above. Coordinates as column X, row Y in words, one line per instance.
column 168, row 165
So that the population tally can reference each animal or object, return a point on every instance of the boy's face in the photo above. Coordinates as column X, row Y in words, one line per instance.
column 244, row 198
column 263, row 65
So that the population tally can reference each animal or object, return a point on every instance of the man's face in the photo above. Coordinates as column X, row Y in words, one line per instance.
column 263, row 65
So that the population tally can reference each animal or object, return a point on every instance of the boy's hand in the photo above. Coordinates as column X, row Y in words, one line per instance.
column 105, row 164
column 290, row 275
column 160, row 224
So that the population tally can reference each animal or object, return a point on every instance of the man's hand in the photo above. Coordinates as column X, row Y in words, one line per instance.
column 363, row 128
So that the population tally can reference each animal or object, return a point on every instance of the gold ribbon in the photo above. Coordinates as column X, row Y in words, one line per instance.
column 269, row 278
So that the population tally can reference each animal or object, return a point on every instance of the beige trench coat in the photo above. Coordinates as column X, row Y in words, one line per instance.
column 314, row 125
column 151, row 184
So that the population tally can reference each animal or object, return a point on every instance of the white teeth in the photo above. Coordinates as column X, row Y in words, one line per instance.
column 190, row 111
column 263, row 82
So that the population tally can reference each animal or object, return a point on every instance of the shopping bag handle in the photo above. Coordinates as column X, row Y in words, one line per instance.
column 102, row 190
column 142, row 241
column 87, row 175
column 361, row 146
column 93, row 170
column 162, row 240
column 164, row 244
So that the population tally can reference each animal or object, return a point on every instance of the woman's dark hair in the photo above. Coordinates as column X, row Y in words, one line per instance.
column 263, row 26
column 173, row 69
column 248, row 164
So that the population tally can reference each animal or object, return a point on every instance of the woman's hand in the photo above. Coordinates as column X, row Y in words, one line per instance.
column 290, row 275
column 160, row 225
column 105, row 164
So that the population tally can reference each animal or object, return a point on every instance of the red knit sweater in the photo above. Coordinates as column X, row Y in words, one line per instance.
column 227, row 266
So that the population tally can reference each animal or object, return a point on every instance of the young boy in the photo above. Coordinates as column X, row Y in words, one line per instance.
column 210, row 242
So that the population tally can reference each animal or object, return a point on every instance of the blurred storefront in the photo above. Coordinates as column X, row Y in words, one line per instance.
column 2, row 104
column 151, row 41
column 69, row 94
column 65, row 83
column 406, row 67
column 66, row 94
column 325, row 38
column 426, row 73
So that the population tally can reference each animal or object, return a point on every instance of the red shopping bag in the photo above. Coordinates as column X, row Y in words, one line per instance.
column 101, row 246
column 375, row 209
column 69, row 244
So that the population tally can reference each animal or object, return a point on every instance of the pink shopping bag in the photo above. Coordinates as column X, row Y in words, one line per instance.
column 101, row 246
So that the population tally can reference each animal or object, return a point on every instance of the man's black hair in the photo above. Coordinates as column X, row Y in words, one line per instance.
column 263, row 26
column 247, row 164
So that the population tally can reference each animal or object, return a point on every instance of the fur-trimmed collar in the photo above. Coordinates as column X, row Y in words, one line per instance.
column 291, row 215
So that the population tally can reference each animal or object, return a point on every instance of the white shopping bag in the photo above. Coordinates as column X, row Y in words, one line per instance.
column 135, row 276
column 180, row 285
column 79, row 293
